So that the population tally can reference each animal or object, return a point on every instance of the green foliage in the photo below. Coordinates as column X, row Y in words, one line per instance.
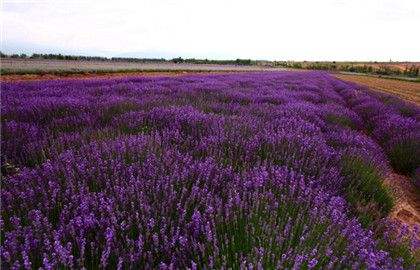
column 291, row 218
column 243, row 61
column 366, row 193
column 340, row 120
column 407, row 111
column 416, row 180
column 129, row 59
column 397, row 246
column 405, row 155
column 403, row 251
column 125, row 129
column 297, row 65
column 411, row 71
column 117, row 109
column 177, row 60
column 366, row 68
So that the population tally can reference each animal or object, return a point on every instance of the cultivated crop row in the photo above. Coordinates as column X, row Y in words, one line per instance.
column 256, row 170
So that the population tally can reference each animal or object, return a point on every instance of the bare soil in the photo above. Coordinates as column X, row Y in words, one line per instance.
column 407, row 200
column 409, row 91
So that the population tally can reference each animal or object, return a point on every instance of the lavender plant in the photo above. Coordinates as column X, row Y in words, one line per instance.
column 252, row 170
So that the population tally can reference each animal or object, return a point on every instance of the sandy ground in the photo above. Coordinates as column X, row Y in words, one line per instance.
column 406, row 90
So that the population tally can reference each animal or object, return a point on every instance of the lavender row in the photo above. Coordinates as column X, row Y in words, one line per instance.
column 394, row 124
column 245, row 171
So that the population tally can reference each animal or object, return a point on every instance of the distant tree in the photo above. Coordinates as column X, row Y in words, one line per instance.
column 243, row 61
column 412, row 71
column 178, row 60
column 297, row 65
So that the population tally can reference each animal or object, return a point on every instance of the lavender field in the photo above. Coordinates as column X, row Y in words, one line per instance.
column 260, row 170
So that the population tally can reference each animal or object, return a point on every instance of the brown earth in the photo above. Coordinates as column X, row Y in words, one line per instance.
column 407, row 203
column 404, row 89
column 407, row 200
column 407, row 197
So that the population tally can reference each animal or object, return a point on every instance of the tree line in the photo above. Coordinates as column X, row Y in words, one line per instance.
column 128, row 59
column 378, row 69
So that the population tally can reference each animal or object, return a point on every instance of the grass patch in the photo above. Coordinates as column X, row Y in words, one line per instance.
column 340, row 120
column 398, row 247
column 407, row 111
column 117, row 109
column 401, row 250
column 405, row 156
column 365, row 191
column 239, row 237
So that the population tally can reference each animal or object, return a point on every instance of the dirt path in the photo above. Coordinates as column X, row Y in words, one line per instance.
column 404, row 89
column 407, row 203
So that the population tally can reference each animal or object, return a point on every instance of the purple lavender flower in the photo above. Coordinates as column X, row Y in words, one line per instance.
column 209, row 171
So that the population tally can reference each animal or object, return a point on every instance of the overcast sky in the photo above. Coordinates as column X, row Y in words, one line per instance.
column 216, row 29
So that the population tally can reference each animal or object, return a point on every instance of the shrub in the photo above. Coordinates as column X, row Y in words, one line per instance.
column 340, row 120
column 416, row 179
column 136, row 173
column 404, row 155
column 399, row 241
column 365, row 191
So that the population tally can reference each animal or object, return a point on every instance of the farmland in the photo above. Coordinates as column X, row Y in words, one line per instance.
column 400, row 70
column 13, row 69
column 247, row 170
column 28, row 66
column 404, row 89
